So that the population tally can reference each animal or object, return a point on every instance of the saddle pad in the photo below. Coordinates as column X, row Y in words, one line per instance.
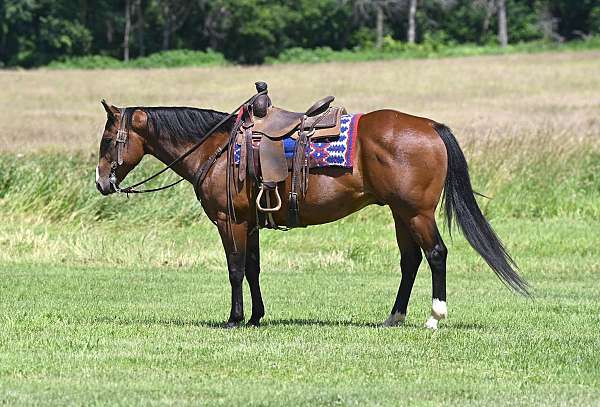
column 331, row 152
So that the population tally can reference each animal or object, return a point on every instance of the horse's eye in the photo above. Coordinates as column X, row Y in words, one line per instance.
column 106, row 141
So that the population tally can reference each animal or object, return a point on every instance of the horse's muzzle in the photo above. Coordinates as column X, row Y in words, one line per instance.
column 105, row 187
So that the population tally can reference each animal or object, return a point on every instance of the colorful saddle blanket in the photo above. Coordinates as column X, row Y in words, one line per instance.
column 329, row 152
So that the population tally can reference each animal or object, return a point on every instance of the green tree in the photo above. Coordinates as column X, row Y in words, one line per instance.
column 252, row 29
column 59, row 37
column 35, row 32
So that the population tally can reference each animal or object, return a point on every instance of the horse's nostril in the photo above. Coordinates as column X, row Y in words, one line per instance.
column 98, row 187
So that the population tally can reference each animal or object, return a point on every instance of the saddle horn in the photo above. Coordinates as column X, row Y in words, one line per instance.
column 263, row 102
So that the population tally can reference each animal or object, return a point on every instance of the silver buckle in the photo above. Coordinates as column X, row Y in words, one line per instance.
column 121, row 136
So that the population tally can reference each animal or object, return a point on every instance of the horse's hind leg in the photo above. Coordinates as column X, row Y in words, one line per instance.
column 424, row 230
column 410, row 259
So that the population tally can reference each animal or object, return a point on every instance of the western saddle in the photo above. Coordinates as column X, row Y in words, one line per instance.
column 261, row 138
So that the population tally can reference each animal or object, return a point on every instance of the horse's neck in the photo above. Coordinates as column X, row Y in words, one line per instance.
column 168, row 150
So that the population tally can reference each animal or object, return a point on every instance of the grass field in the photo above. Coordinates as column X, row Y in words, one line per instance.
column 121, row 301
column 97, row 318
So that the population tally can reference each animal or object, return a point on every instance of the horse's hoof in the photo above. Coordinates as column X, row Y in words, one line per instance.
column 253, row 323
column 394, row 319
column 232, row 324
column 431, row 324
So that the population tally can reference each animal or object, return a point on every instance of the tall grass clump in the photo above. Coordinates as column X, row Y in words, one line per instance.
column 178, row 59
column 541, row 175
column 87, row 62
column 59, row 187
column 548, row 173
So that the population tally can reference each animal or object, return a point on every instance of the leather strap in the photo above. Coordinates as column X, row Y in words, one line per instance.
column 204, row 168
column 250, row 159
column 298, row 163
column 242, row 168
column 122, row 136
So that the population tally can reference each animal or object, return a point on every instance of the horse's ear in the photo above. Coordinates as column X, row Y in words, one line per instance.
column 110, row 110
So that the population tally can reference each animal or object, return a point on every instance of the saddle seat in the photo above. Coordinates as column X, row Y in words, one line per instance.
column 279, row 123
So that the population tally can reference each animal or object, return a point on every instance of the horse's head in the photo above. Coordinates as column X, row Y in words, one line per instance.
column 121, row 147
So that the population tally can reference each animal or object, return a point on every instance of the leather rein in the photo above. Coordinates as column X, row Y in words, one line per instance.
column 123, row 136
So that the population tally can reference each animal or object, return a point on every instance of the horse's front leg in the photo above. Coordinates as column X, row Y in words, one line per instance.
column 234, row 242
column 252, row 276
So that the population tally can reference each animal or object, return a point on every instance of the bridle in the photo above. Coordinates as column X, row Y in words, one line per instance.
column 120, row 141
column 123, row 137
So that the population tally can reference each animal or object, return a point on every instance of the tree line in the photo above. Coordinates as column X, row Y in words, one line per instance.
column 36, row 32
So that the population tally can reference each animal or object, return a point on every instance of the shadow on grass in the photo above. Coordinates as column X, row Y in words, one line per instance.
column 221, row 324
column 466, row 326
column 318, row 322
column 148, row 321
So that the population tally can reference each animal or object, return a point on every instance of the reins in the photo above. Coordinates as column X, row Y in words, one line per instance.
column 122, row 139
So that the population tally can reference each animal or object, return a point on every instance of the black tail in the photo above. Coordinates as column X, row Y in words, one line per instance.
column 460, row 203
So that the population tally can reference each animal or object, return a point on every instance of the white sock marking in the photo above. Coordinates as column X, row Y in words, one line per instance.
column 439, row 310
column 431, row 323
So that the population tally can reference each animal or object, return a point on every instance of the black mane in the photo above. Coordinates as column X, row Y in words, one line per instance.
column 178, row 122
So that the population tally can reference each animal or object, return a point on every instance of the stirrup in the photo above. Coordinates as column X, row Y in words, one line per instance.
column 260, row 193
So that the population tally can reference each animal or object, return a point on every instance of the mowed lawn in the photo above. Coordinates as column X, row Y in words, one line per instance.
column 98, row 319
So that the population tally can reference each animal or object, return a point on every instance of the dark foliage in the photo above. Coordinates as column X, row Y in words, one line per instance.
column 35, row 32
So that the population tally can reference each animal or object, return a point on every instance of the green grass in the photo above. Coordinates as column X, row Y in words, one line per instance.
column 393, row 49
column 120, row 300
column 164, row 59
column 113, row 314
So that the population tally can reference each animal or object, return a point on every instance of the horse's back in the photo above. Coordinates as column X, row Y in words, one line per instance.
column 406, row 123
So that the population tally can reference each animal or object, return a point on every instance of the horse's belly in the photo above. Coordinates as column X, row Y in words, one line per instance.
column 332, row 194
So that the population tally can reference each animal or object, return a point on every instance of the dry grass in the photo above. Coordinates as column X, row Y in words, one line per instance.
column 528, row 123
column 553, row 94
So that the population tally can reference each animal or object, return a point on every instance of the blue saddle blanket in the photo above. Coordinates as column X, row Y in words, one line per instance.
column 330, row 152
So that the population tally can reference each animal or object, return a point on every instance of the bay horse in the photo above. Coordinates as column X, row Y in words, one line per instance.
column 402, row 161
